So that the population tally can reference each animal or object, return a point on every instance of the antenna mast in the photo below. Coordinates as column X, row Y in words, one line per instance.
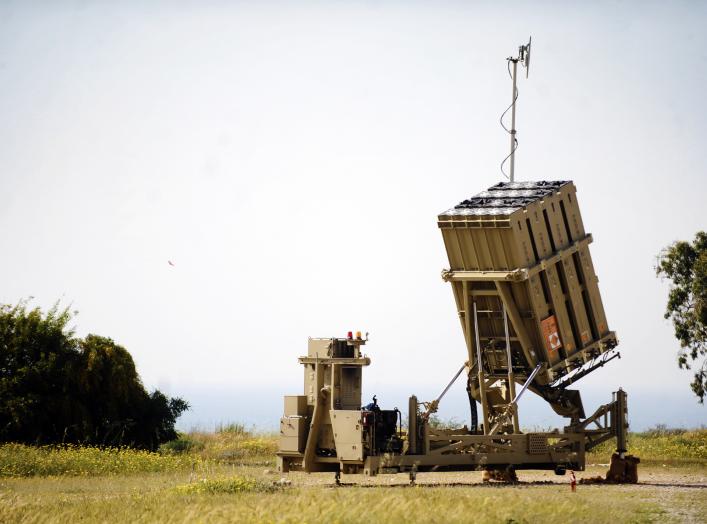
column 524, row 58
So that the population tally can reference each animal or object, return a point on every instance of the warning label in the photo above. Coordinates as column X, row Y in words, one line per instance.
column 551, row 335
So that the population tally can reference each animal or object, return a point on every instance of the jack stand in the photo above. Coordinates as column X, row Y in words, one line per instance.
column 413, row 474
column 623, row 469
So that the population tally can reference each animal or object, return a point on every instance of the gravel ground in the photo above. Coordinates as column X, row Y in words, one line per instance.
column 680, row 491
column 656, row 476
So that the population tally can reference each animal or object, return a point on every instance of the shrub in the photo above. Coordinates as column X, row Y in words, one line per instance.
column 237, row 446
column 230, row 485
column 234, row 428
column 663, row 444
column 182, row 444
column 438, row 423
column 259, row 446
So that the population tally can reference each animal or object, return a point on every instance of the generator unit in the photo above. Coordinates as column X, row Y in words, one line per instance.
column 327, row 427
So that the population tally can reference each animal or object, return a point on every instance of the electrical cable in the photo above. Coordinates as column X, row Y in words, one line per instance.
column 515, row 148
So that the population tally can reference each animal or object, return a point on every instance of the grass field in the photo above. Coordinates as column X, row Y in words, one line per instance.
column 227, row 476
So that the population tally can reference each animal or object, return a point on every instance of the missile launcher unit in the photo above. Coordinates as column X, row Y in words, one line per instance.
column 532, row 319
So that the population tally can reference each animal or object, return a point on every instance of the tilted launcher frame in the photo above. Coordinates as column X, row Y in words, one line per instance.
column 529, row 305
column 521, row 273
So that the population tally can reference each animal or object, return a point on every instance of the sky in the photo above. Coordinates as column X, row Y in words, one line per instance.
column 290, row 159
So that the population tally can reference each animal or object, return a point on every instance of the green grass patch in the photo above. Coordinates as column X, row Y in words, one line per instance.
column 19, row 460
column 674, row 446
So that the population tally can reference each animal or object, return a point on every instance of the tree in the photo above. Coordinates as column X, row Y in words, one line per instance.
column 36, row 353
column 685, row 265
column 57, row 388
column 111, row 390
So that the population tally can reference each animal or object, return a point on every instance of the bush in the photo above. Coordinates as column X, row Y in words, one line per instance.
column 234, row 444
column 235, row 428
column 662, row 430
column 438, row 423
column 259, row 446
column 182, row 444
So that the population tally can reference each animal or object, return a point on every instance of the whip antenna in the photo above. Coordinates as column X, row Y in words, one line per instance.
column 524, row 58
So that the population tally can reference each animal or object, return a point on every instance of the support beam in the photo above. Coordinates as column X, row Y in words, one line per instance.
column 511, row 375
column 559, row 255
column 467, row 321
column 412, row 426
column 520, row 274
column 504, row 290
column 482, row 379
column 517, row 275
column 320, row 407
column 618, row 420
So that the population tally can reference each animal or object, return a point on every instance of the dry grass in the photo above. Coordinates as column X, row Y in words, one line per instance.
column 163, row 498
column 231, row 444
column 225, row 476
column 226, row 485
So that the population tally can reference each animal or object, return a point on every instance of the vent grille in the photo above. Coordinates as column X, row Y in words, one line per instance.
column 537, row 444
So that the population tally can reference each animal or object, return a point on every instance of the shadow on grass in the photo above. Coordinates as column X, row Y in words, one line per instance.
column 448, row 485
column 497, row 485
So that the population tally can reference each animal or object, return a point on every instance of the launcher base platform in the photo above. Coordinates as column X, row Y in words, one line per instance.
column 326, row 429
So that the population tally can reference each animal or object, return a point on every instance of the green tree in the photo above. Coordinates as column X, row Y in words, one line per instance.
column 56, row 388
column 685, row 265
column 36, row 353
column 111, row 390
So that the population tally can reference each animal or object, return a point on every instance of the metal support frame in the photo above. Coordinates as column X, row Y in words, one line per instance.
column 456, row 449
column 524, row 58
column 511, row 375
column 511, row 408
column 619, row 422
column 504, row 291
column 480, row 369
column 433, row 406
column 520, row 274
column 459, row 449
column 309, row 450
column 513, row 120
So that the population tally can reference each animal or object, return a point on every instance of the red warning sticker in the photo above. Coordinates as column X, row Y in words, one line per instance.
column 551, row 335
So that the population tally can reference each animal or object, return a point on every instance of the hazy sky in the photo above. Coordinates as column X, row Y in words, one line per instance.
column 291, row 158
